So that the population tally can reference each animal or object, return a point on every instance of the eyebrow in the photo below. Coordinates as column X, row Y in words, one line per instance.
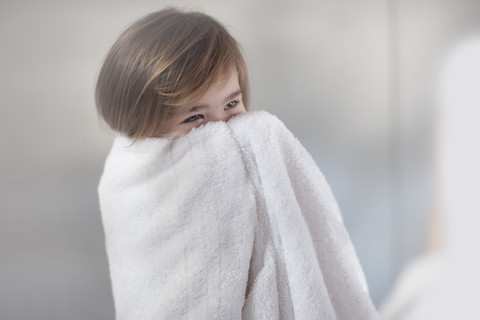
column 227, row 99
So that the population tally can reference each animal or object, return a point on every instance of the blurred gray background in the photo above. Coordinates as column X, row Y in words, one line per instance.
column 352, row 79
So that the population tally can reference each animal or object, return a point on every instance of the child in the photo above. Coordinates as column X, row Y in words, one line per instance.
column 231, row 220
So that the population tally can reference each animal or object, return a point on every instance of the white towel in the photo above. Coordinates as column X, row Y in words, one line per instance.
column 231, row 221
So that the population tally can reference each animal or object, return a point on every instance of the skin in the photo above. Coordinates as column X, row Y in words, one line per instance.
column 220, row 103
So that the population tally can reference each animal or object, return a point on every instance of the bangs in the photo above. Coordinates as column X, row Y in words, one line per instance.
column 203, row 61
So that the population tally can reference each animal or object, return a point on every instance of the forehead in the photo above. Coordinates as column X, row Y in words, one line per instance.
column 226, row 84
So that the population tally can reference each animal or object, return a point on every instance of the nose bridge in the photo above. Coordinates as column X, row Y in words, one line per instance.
column 218, row 114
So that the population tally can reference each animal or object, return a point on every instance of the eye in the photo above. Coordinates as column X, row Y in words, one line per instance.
column 231, row 104
column 194, row 118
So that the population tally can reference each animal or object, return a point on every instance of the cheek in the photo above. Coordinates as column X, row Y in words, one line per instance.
column 179, row 131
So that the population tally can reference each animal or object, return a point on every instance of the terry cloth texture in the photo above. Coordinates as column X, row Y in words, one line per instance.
column 232, row 221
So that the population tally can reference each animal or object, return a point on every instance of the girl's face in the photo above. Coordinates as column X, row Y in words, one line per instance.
column 221, row 102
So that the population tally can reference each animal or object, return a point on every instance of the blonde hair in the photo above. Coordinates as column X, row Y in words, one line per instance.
column 159, row 66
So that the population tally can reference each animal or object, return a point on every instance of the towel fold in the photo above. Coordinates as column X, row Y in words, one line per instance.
column 231, row 221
